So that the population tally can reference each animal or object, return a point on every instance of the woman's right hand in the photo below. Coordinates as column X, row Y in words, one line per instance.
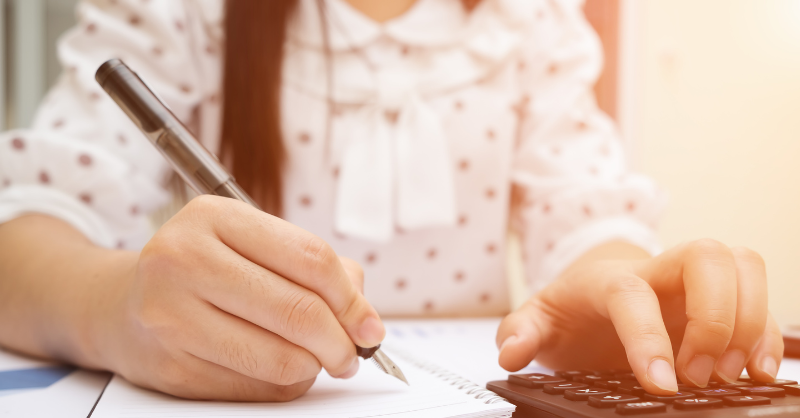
column 227, row 302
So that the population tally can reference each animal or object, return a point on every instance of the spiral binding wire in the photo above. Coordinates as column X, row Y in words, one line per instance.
column 461, row 383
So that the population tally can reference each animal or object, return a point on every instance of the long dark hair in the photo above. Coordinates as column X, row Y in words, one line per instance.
column 255, row 31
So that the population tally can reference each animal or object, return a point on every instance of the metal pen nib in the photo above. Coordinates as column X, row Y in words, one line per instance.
column 380, row 359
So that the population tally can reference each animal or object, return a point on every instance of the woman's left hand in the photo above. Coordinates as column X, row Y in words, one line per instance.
column 701, row 299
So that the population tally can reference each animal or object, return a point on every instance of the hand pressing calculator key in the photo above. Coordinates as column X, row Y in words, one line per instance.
column 612, row 393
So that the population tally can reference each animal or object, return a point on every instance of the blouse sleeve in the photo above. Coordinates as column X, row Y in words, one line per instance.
column 571, row 184
column 82, row 160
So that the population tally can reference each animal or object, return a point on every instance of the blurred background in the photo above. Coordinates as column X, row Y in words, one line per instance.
column 706, row 94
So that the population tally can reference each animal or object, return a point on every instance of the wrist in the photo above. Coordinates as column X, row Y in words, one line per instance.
column 102, row 322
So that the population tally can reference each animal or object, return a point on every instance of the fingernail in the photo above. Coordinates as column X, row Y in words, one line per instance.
column 698, row 371
column 351, row 371
column 507, row 341
column 661, row 374
column 371, row 331
column 769, row 366
column 730, row 365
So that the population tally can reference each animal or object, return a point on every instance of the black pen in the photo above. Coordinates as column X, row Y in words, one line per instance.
column 199, row 168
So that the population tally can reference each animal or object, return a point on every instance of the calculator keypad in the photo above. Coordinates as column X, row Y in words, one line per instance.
column 584, row 394
column 617, row 392
column 768, row 391
column 745, row 400
column 716, row 393
column 559, row 388
column 611, row 400
column 692, row 404
column 669, row 398
column 636, row 408
column 534, row 380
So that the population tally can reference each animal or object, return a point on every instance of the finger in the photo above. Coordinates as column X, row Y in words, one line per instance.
column 519, row 337
column 194, row 378
column 705, row 271
column 633, row 308
column 354, row 271
column 246, row 348
column 295, row 254
column 751, row 314
column 766, row 359
column 300, row 316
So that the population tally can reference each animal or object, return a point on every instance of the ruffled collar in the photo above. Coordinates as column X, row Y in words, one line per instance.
column 396, row 173
column 431, row 23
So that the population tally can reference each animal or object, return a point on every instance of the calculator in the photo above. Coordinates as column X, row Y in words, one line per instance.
column 614, row 393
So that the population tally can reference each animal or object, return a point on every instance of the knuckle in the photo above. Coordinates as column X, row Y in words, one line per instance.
column 748, row 255
column 288, row 368
column 717, row 323
column 203, row 203
column 318, row 256
column 302, row 313
column 707, row 247
column 648, row 332
column 239, row 356
column 629, row 287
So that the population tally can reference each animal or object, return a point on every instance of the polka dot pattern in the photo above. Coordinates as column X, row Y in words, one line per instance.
column 509, row 127
column 44, row 177
column 85, row 160
column 85, row 198
column 18, row 144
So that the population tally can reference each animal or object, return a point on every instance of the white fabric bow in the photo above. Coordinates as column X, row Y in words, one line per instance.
column 396, row 170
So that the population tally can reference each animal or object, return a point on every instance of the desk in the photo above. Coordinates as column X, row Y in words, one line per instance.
column 442, row 342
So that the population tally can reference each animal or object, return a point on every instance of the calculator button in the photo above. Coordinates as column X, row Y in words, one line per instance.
column 768, row 391
column 613, row 384
column 669, row 398
column 590, row 379
column 533, row 380
column 572, row 374
column 792, row 389
column 778, row 382
column 716, row 393
column 559, row 388
column 736, row 384
column 625, row 375
column 631, row 389
column 713, row 384
column 634, row 408
column 745, row 400
column 583, row 394
column 610, row 400
column 610, row 372
column 697, row 403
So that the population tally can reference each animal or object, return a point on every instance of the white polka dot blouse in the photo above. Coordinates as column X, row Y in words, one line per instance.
column 441, row 131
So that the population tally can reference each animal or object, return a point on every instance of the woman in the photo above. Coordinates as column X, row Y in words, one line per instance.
column 403, row 134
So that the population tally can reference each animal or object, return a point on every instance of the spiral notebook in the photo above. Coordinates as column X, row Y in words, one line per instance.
column 433, row 392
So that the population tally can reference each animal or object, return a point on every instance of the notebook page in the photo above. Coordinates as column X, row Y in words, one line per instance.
column 371, row 393
column 463, row 346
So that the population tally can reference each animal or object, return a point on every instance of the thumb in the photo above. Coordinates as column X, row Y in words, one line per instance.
column 519, row 337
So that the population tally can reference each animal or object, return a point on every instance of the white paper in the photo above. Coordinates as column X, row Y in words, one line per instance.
column 370, row 393
column 73, row 396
